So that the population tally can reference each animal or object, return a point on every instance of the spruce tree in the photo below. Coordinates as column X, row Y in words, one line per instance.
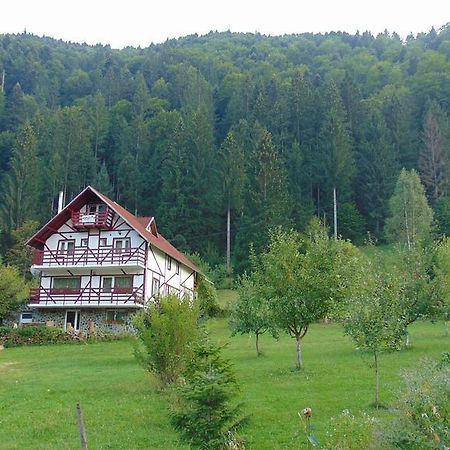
column 433, row 164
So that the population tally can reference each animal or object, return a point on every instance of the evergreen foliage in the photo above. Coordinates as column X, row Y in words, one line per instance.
column 260, row 129
column 206, row 416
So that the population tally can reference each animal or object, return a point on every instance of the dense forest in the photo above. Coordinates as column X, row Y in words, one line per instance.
column 257, row 129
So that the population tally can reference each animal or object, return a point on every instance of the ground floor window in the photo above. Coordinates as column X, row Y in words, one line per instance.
column 116, row 316
column 26, row 317
column 72, row 320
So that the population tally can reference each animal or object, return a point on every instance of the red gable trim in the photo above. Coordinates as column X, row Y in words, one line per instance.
column 158, row 241
column 138, row 224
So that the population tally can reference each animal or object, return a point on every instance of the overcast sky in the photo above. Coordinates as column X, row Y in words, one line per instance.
column 140, row 22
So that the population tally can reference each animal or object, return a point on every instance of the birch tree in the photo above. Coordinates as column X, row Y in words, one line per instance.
column 410, row 216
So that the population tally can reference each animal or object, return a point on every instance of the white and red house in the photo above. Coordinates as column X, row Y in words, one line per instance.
column 98, row 264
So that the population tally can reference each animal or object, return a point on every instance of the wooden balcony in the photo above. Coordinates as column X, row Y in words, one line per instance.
column 85, row 256
column 102, row 220
column 93, row 297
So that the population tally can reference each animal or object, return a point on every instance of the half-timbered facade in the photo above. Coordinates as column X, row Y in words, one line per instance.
column 97, row 264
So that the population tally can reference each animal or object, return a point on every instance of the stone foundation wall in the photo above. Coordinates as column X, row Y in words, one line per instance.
column 88, row 316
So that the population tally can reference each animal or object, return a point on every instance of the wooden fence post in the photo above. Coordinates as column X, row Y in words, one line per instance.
column 84, row 445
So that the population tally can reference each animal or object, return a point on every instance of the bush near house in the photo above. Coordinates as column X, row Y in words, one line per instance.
column 15, row 337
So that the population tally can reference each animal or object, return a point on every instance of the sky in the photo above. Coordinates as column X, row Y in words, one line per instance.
column 139, row 22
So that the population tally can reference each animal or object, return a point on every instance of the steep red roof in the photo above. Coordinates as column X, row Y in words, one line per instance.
column 137, row 223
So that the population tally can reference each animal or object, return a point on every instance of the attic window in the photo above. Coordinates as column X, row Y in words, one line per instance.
column 96, row 208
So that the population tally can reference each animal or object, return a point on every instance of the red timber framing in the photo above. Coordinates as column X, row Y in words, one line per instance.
column 75, row 256
column 92, row 296
column 95, row 220
column 85, row 256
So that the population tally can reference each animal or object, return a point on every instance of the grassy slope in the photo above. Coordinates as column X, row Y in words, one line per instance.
column 39, row 388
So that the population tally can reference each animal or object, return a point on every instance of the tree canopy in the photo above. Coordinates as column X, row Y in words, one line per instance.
column 156, row 128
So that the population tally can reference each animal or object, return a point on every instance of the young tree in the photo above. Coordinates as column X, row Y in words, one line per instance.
column 374, row 320
column 206, row 417
column 251, row 312
column 13, row 291
column 167, row 330
column 306, row 276
column 410, row 216
column 416, row 298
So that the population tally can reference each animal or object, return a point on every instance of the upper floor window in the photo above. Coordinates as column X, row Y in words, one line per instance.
column 103, row 242
column 117, row 284
column 155, row 286
column 178, row 267
column 67, row 283
column 84, row 242
column 66, row 246
column 169, row 263
column 122, row 245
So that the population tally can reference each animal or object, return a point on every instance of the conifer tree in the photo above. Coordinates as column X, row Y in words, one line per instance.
column 336, row 151
column 377, row 170
column 433, row 164
column 232, row 171
column 21, row 185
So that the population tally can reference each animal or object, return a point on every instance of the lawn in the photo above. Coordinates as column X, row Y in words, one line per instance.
column 39, row 388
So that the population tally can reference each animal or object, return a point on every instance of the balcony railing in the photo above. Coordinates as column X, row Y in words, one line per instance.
column 85, row 256
column 87, row 296
column 85, row 220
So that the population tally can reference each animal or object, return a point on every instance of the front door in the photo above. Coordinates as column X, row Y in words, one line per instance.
column 72, row 320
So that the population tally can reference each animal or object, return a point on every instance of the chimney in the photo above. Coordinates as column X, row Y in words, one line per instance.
column 60, row 201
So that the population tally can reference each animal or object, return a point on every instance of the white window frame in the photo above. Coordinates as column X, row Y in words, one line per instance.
column 113, row 280
column 77, row 319
column 22, row 320
column 155, row 281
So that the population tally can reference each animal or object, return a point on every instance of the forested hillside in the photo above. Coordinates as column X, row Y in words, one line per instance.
column 261, row 127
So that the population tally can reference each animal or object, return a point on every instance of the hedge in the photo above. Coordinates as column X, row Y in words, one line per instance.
column 15, row 337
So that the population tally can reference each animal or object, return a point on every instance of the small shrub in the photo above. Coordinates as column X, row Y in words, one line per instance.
column 166, row 331
column 422, row 415
column 205, row 415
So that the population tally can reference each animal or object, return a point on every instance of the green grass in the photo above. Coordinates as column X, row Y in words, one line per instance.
column 39, row 388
